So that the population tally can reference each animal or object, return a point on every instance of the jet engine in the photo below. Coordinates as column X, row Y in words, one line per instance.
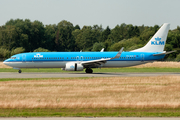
column 73, row 67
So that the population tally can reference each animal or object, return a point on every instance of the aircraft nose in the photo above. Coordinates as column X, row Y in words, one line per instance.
column 6, row 62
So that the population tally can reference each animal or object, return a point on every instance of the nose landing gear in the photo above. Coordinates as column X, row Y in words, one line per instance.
column 89, row 70
column 19, row 71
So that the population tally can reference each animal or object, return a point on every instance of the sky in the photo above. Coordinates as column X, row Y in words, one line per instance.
column 93, row 12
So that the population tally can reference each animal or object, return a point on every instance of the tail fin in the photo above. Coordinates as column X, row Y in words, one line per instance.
column 157, row 42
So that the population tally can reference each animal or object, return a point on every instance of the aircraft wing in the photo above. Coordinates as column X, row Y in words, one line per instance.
column 99, row 62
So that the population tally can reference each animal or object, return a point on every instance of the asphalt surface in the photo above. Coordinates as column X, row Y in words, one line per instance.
column 98, row 118
column 67, row 75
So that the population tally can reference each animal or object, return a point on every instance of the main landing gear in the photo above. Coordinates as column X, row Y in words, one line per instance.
column 89, row 70
column 19, row 71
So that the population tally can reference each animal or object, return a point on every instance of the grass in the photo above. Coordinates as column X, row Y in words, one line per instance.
column 111, row 92
column 91, row 112
column 93, row 97
column 90, row 97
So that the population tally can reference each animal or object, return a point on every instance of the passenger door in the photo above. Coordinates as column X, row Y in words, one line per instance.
column 24, row 58
column 142, row 57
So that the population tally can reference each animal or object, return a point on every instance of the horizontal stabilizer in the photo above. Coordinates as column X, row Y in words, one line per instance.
column 165, row 53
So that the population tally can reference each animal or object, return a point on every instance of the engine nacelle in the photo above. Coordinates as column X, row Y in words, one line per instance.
column 74, row 67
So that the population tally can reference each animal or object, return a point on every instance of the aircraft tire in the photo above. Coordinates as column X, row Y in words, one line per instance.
column 88, row 70
column 91, row 71
column 19, row 71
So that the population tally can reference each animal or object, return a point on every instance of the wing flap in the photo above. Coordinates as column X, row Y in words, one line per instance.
column 101, row 61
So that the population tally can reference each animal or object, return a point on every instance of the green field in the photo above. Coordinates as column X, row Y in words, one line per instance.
column 128, row 69
column 84, row 112
column 91, row 112
column 88, row 112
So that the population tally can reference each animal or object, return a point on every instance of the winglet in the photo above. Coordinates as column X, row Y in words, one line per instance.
column 102, row 50
column 118, row 54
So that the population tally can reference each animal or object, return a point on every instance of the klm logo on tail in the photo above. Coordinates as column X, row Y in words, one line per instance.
column 157, row 41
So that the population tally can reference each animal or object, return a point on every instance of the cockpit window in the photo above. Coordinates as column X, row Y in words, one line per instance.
column 13, row 57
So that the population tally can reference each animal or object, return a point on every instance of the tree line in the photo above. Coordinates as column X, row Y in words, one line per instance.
column 19, row 35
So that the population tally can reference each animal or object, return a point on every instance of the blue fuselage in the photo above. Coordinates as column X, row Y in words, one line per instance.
column 59, row 59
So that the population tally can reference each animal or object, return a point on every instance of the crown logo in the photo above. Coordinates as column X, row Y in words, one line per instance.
column 72, row 66
column 38, row 55
column 157, row 39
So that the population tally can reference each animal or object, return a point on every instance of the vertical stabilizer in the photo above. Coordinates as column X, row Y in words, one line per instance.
column 157, row 42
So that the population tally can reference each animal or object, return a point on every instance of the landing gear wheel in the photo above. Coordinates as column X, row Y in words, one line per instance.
column 89, row 70
column 19, row 71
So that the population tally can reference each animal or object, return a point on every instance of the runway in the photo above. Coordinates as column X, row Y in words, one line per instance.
column 69, row 75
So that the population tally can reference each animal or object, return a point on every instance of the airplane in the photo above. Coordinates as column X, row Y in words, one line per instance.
column 78, row 61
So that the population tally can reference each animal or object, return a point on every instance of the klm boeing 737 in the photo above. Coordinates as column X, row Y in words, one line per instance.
column 78, row 61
